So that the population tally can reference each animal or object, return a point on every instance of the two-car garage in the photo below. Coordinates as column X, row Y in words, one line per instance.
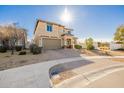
column 49, row 43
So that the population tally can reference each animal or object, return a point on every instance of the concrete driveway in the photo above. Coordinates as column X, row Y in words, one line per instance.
column 33, row 76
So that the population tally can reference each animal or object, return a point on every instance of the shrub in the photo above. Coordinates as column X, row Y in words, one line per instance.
column 35, row 49
column 89, row 47
column 3, row 49
column 63, row 46
column 78, row 46
column 22, row 53
column 18, row 48
column 31, row 47
column 120, row 49
column 89, row 44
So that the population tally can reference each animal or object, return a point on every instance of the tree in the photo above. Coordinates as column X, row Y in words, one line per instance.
column 119, row 34
column 103, row 44
column 11, row 34
column 1, row 36
column 89, row 44
column 22, row 35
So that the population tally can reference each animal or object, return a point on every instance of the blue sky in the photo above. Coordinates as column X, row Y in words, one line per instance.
column 98, row 22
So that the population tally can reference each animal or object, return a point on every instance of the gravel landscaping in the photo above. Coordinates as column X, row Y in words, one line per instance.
column 62, row 76
column 118, row 59
column 101, row 53
column 11, row 61
column 94, row 53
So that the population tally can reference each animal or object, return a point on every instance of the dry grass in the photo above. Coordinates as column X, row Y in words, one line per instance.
column 63, row 76
column 117, row 53
column 100, row 53
column 88, row 52
column 94, row 53
column 118, row 59
column 8, row 61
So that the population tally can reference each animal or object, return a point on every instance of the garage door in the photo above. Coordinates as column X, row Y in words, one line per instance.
column 51, row 43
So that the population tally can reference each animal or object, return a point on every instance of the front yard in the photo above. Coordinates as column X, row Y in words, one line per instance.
column 101, row 53
column 11, row 61
column 118, row 59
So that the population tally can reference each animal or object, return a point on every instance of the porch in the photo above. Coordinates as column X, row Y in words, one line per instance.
column 68, row 42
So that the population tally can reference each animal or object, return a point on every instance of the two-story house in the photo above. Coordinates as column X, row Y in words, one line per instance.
column 50, row 35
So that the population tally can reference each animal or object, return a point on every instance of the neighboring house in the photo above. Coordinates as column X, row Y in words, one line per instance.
column 115, row 45
column 108, row 45
column 50, row 35
column 101, row 45
column 95, row 44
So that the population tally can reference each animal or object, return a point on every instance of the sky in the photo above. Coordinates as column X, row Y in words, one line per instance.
column 98, row 22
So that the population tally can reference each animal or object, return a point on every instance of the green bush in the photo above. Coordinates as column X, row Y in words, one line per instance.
column 3, row 49
column 35, row 49
column 78, row 46
column 18, row 48
column 22, row 53
column 89, row 44
column 90, row 47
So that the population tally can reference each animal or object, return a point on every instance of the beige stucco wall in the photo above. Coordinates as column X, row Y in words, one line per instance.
column 41, row 30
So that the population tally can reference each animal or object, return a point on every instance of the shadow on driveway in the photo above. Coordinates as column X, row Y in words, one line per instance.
column 68, row 66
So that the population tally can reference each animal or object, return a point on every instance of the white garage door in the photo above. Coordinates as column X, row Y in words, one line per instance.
column 51, row 43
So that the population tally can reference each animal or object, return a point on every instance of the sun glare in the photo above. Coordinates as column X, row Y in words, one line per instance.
column 66, row 16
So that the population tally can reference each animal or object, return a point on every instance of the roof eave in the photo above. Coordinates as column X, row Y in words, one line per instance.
column 50, row 22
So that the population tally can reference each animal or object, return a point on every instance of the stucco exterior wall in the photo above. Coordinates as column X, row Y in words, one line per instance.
column 41, row 30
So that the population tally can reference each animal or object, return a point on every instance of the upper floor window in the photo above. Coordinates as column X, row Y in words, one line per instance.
column 49, row 27
column 69, row 32
column 61, row 31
